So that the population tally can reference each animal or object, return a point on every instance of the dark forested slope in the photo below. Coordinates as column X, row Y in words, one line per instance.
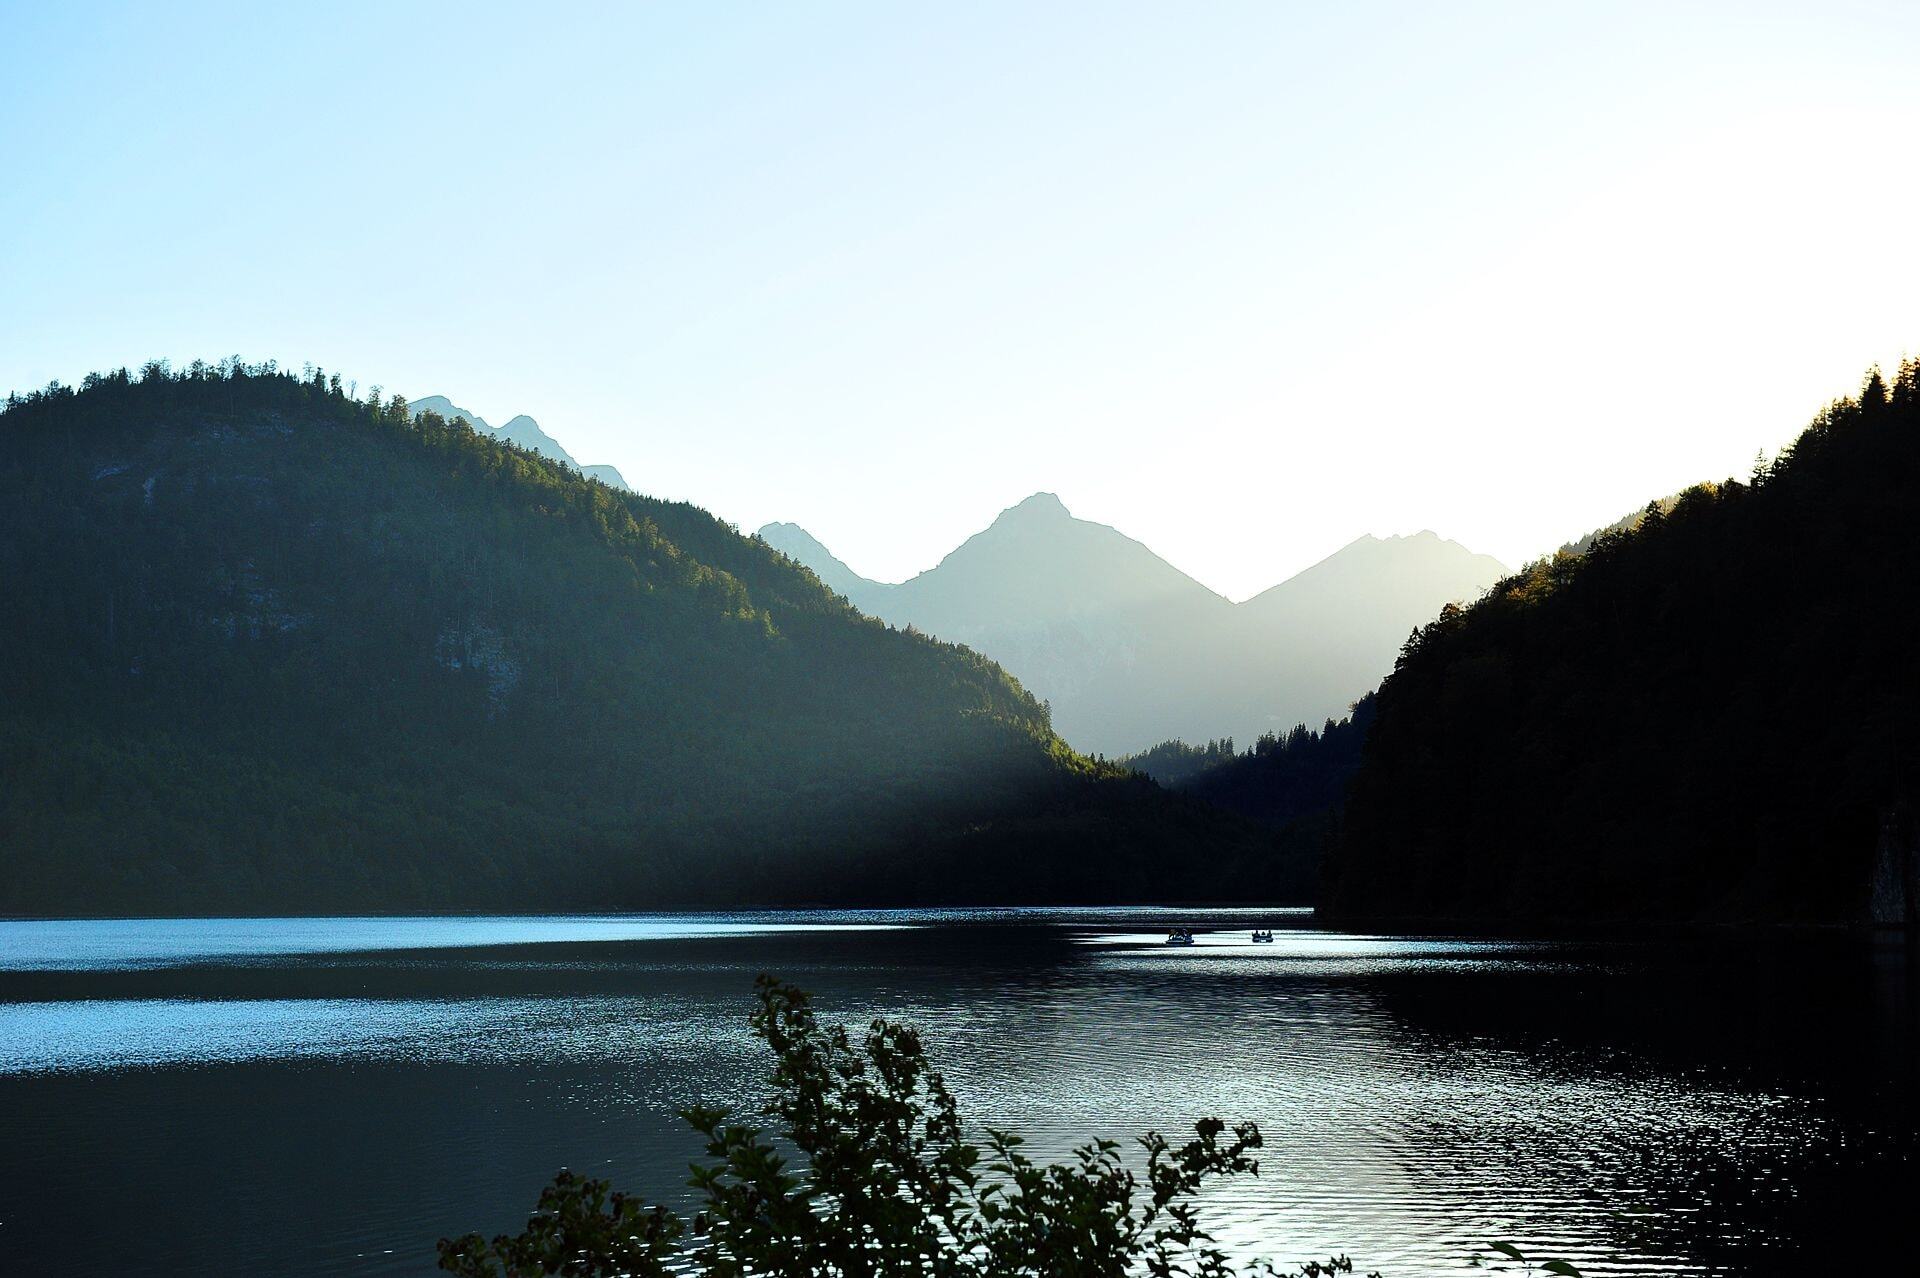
column 1701, row 717
column 1295, row 784
column 267, row 647
column 1279, row 780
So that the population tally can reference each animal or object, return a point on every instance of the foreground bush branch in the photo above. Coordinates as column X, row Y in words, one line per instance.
column 888, row 1185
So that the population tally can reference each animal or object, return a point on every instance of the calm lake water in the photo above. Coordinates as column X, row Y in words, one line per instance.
column 329, row 1096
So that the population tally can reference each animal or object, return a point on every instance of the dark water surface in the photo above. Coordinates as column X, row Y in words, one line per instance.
column 330, row 1096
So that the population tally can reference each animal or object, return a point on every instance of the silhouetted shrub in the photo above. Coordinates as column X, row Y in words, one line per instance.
column 887, row 1184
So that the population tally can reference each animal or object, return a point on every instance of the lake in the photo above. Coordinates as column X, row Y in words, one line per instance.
column 329, row 1096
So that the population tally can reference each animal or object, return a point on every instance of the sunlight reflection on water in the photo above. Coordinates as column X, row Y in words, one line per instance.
column 81, row 944
column 1634, row 1108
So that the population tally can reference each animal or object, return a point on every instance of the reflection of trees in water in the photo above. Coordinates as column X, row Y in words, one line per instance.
column 1744, row 1104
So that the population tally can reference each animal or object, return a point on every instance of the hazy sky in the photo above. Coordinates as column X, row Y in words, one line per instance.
column 1245, row 281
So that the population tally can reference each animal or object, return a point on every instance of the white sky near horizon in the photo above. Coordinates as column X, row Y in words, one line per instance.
column 1245, row 281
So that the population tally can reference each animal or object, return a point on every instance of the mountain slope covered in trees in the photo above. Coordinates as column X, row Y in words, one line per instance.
column 1703, row 716
column 270, row 648
column 1278, row 780
column 1294, row 783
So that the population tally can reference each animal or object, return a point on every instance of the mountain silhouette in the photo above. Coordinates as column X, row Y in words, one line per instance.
column 1131, row 651
column 275, row 649
column 608, row 475
column 522, row 431
column 798, row 544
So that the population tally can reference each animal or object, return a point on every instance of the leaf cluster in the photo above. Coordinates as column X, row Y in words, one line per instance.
column 873, row 1173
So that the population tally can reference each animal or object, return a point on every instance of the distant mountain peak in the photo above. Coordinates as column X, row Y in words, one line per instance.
column 448, row 409
column 522, row 431
column 1426, row 537
column 608, row 475
column 1037, row 507
column 798, row 544
column 1130, row 650
column 788, row 538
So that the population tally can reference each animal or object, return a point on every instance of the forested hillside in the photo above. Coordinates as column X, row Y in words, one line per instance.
column 268, row 647
column 1295, row 784
column 1701, row 717
column 1277, row 780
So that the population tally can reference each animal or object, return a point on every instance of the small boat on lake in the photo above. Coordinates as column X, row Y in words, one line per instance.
column 1263, row 937
column 1180, row 936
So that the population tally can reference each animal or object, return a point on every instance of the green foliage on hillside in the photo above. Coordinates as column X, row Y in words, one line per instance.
column 1702, row 716
column 272, row 647
column 1176, row 765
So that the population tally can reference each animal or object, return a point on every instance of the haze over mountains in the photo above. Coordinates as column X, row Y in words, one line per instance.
column 1131, row 651
column 522, row 431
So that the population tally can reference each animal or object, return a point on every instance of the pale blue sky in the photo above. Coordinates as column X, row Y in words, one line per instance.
column 1246, row 281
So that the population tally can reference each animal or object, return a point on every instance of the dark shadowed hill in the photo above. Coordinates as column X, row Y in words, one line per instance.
column 522, row 432
column 268, row 648
column 1295, row 783
column 1129, row 650
column 1704, row 716
column 1279, row 779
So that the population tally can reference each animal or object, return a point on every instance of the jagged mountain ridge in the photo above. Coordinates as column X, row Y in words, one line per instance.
column 1130, row 651
column 524, row 432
